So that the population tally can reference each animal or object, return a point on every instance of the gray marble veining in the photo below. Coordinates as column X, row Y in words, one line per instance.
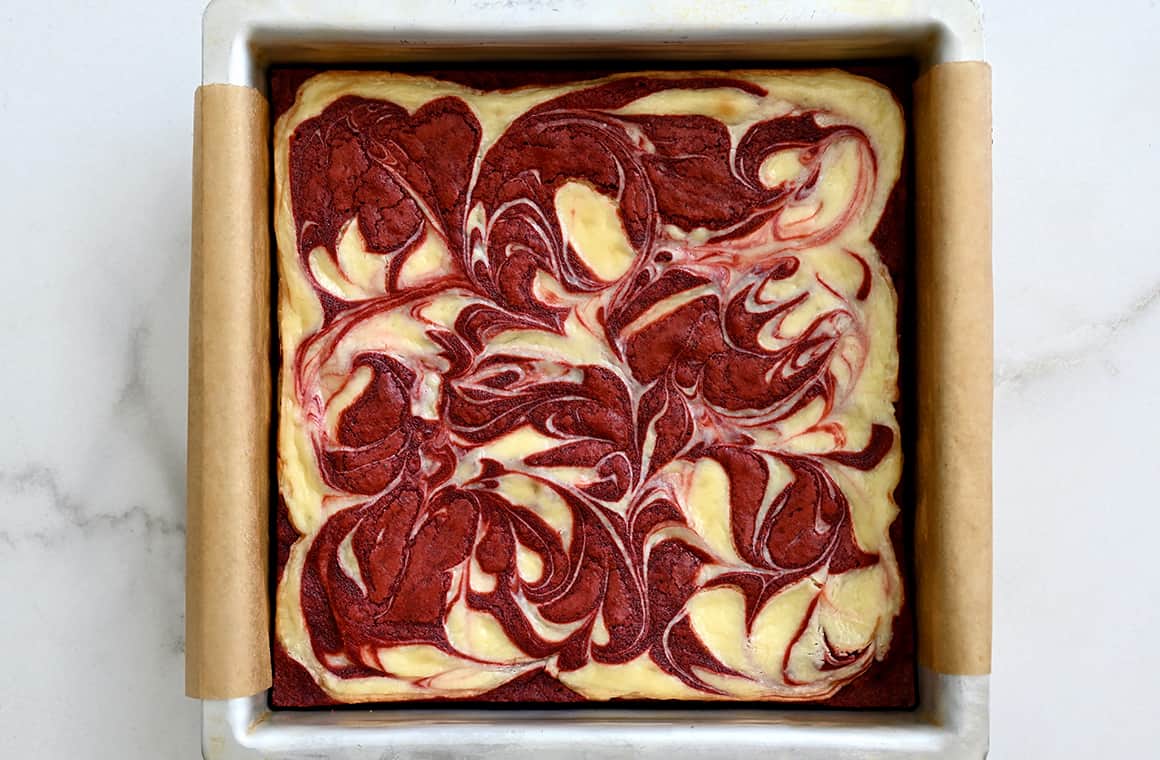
column 95, row 135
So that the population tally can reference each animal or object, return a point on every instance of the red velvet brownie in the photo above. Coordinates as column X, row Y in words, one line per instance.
column 587, row 390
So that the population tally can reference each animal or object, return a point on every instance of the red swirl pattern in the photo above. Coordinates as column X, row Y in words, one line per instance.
column 416, row 390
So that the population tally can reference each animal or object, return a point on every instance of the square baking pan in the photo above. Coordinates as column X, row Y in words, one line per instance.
column 228, row 617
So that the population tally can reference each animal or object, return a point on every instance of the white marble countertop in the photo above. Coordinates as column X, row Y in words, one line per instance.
column 95, row 128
